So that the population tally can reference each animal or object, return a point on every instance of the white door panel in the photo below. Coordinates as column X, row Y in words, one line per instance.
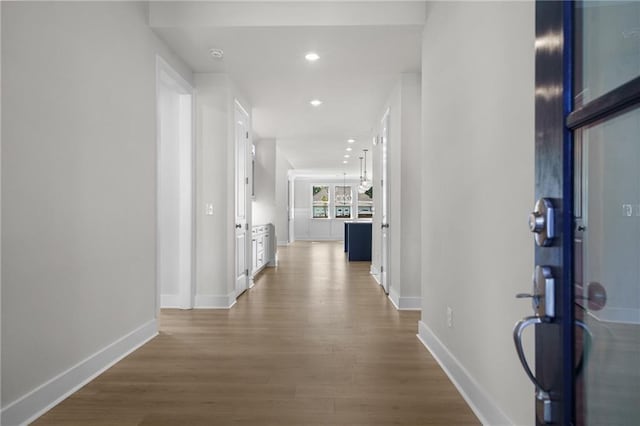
column 242, row 152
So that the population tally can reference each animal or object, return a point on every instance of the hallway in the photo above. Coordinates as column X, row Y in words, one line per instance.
column 316, row 341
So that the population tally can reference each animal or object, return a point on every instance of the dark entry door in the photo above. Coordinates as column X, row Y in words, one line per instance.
column 587, row 223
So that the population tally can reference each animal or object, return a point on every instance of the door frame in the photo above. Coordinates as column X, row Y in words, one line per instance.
column 238, row 110
column 186, row 296
column 384, row 202
column 555, row 123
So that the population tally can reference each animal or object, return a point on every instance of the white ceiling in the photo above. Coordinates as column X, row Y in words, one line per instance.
column 357, row 69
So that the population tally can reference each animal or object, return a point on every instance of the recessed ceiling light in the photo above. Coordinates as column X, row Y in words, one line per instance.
column 345, row 162
column 349, row 149
column 351, row 140
column 347, row 156
column 311, row 56
column 316, row 102
column 216, row 53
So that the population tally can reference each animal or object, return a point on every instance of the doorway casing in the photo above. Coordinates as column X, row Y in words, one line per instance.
column 175, row 284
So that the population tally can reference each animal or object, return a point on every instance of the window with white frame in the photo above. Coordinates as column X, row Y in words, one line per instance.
column 320, row 203
column 343, row 202
column 365, row 204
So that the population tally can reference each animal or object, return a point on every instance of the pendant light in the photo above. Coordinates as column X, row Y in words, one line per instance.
column 344, row 187
column 365, row 183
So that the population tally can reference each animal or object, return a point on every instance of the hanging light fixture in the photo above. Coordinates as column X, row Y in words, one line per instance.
column 365, row 183
column 344, row 187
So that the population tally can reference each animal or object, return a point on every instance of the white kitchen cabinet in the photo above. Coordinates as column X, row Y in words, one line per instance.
column 262, row 240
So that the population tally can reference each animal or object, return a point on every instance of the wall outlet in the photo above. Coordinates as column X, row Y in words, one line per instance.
column 449, row 316
column 208, row 209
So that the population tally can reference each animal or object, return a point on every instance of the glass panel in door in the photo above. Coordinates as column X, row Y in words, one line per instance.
column 608, row 48
column 607, row 271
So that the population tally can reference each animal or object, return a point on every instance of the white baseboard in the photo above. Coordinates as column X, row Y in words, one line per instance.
column 394, row 297
column 283, row 243
column 483, row 407
column 211, row 301
column 404, row 303
column 46, row 396
column 375, row 273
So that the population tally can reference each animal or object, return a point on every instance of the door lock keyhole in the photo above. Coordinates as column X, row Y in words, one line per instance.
column 542, row 222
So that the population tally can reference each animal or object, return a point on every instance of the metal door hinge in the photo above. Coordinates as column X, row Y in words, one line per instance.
column 246, row 181
column 381, row 269
column 247, row 136
column 246, row 226
column 246, row 272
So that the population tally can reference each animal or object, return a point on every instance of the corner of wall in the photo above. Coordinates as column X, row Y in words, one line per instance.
column 40, row 400
column 476, row 396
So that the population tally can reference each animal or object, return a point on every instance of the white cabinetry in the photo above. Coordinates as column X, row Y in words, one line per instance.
column 262, row 238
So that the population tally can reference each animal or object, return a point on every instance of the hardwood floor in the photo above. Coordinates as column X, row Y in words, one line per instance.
column 315, row 342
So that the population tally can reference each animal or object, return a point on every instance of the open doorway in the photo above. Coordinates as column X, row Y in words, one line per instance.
column 175, row 213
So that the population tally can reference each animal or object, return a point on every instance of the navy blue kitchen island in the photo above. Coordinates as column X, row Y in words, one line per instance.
column 357, row 241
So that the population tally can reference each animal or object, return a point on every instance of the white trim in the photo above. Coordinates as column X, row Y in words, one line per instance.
column 163, row 65
column 375, row 273
column 410, row 304
column 393, row 302
column 405, row 303
column 239, row 105
column 168, row 77
column 483, row 407
column 283, row 243
column 212, row 301
column 394, row 297
column 34, row 404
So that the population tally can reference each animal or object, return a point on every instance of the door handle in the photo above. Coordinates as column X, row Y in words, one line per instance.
column 517, row 340
column 238, row 225
column 544, row 405
column 384, row 225
column 586, row 347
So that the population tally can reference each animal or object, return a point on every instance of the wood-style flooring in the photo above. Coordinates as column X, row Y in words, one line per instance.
column 314, row 342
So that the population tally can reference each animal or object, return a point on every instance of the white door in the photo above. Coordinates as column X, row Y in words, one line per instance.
column 175, row 189
column 384, row 204
column 242, row 240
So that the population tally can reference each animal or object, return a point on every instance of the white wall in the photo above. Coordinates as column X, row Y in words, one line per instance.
column 214, row 180
column 478, row 156
column 281, row 222
column 307, row 228
column 404, row 171
column 215, row 175
column 264, row 203
column 175, row 190
column 78, row 192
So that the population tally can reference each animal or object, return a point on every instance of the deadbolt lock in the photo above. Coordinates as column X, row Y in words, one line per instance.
column 542, row 222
